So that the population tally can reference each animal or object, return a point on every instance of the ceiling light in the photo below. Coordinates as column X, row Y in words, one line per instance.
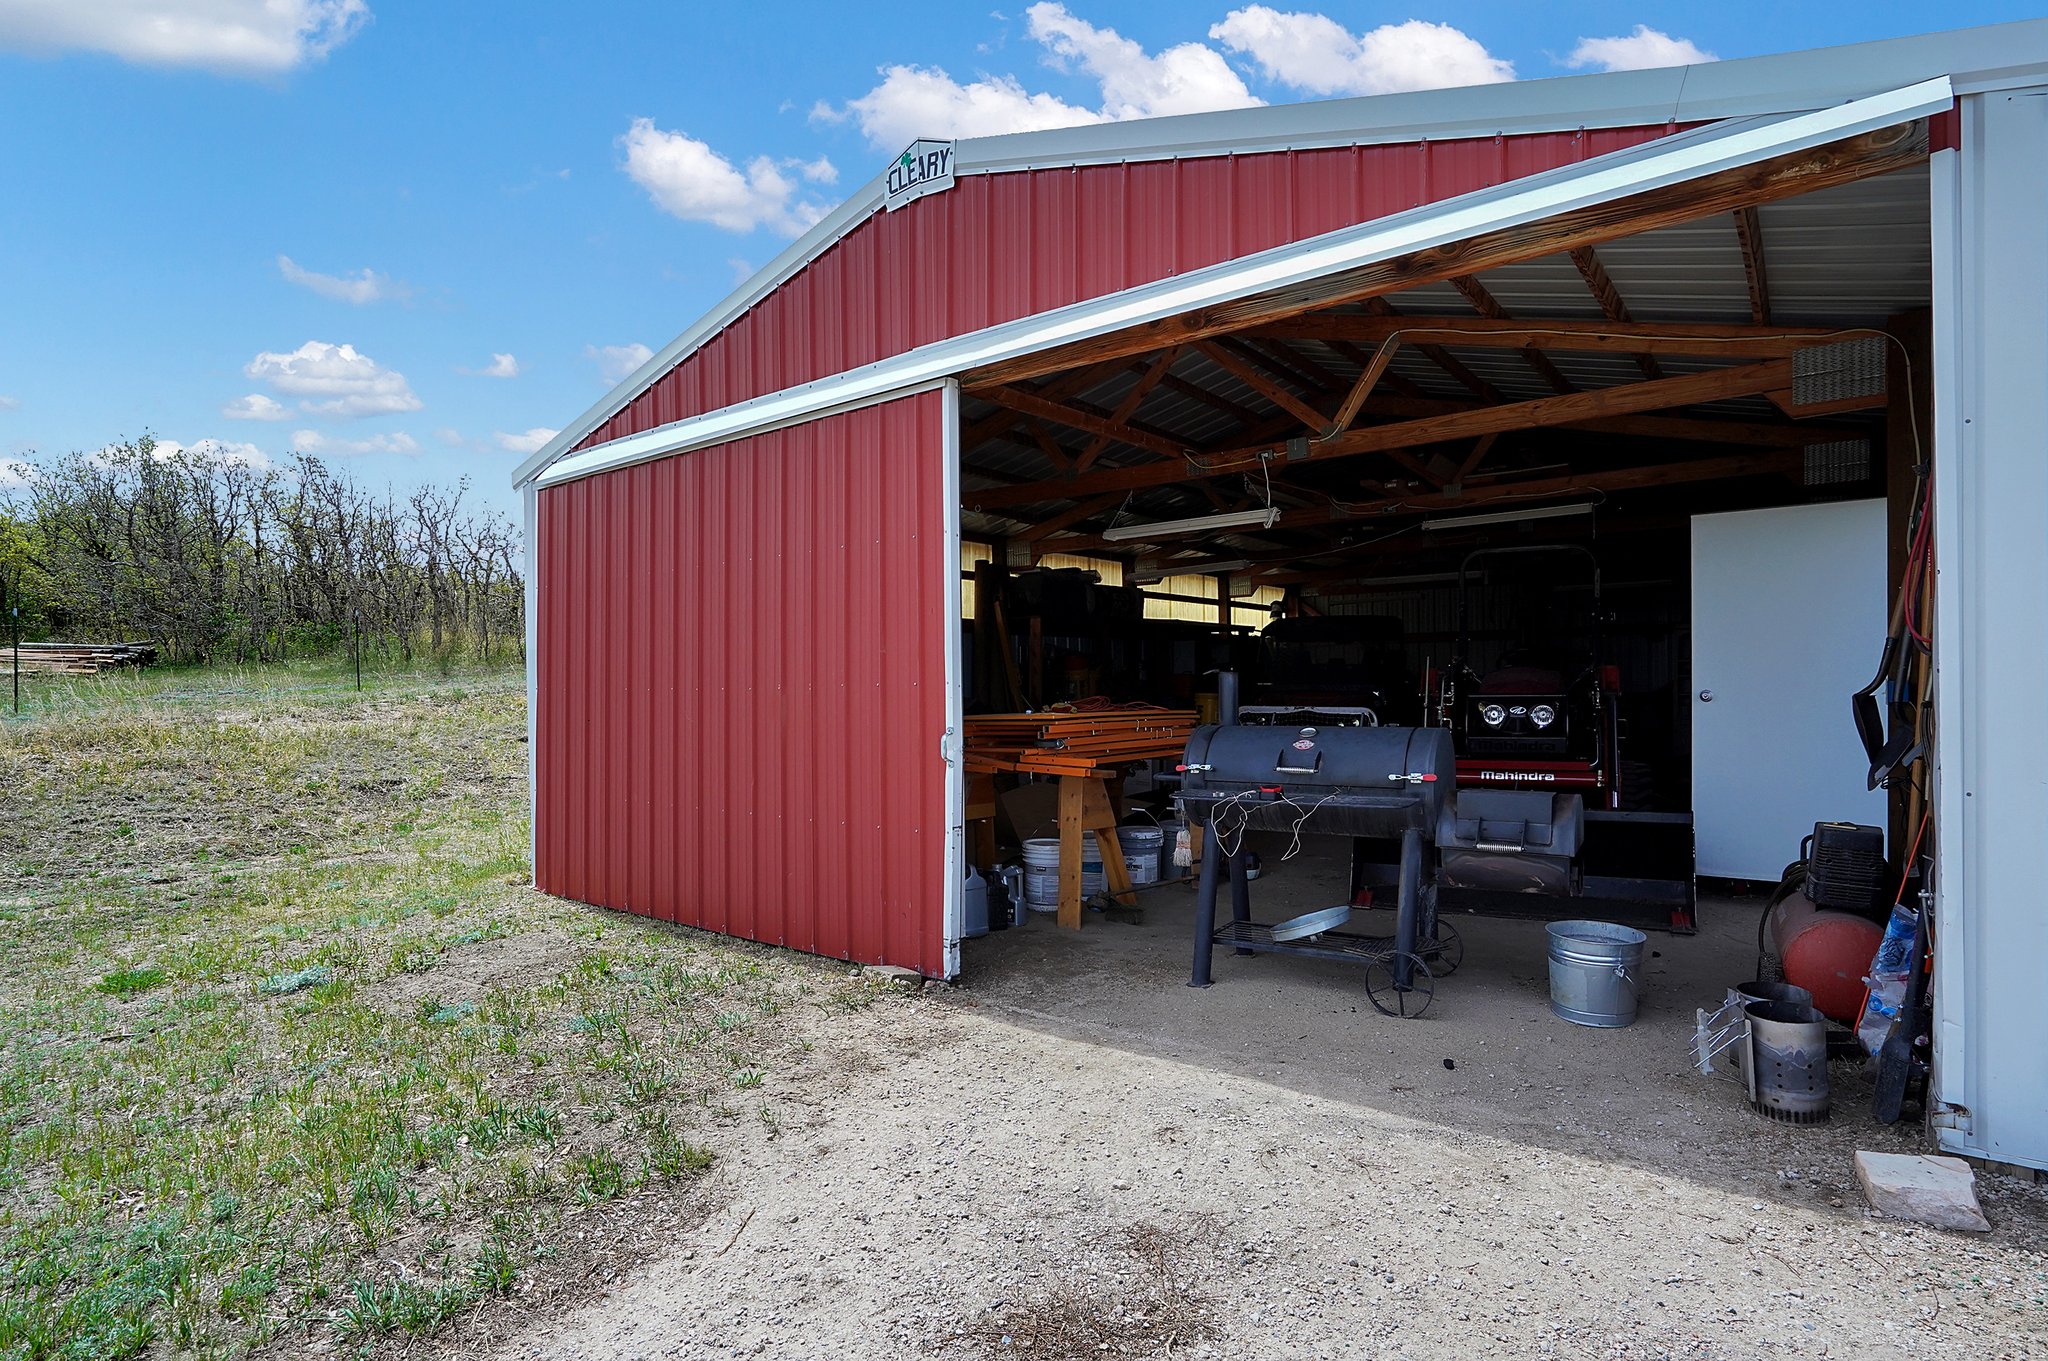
column 1236, row 519
column 1149, row 570
column 1503, row 517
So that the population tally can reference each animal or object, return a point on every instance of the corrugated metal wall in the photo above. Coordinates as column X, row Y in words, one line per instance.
column 998, row 247
column 743, row 689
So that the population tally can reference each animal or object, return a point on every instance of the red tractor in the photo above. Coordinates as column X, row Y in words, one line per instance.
column 1542, row 823
column 1542, row 714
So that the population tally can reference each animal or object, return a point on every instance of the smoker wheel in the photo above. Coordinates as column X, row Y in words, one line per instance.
column 1446, row 952
column 1388, row 997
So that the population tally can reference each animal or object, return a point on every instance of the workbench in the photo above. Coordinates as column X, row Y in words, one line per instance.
column 1083, row 749
column 1085, row 805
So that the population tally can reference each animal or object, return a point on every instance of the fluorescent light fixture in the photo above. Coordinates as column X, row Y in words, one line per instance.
column 1504, row 517
column 1411, row 579
column 1165, row 529
column 1149, row 571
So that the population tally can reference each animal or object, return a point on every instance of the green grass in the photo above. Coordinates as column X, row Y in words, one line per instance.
column 127, row 982
column 290, row 1053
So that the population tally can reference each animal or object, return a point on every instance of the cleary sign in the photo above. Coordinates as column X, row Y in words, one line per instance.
column 926, row 168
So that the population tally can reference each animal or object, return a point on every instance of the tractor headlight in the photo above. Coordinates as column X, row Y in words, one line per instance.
column 1543, row 715
column 1494, row 715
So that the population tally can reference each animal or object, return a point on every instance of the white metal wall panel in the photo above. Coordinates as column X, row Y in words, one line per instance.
column 1990, row 213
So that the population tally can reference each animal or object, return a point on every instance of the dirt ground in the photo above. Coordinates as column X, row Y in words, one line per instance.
column 1072, row 1153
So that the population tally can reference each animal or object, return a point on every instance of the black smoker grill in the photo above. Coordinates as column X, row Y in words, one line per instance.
column 1342, row 781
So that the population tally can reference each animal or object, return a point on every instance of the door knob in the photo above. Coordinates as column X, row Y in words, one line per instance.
column 1706, row 696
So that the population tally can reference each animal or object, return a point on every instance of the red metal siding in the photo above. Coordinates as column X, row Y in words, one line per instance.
column 998, row 247
column 743, row 691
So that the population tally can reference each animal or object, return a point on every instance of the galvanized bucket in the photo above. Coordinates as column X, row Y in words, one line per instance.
column 1595, row 972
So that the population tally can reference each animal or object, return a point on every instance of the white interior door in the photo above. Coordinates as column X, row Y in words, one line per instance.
column 1788, row 619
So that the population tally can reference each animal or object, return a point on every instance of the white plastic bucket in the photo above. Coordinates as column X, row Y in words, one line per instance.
column 1141, row 852
column 1042, row 871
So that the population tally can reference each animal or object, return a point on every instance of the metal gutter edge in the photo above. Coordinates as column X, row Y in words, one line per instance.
column 1670, row 160
column 776, row 411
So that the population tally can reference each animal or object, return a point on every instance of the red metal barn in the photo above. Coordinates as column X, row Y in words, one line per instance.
column 744, row 578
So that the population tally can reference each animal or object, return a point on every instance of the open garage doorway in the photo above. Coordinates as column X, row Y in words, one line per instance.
column 1472, row 504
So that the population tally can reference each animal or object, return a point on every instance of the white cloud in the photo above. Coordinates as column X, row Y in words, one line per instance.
column 256, row 407
column 313, row 442
column 924, row 101
column 528, row 443
column 501, row 366
column 364, row 286
column 1189, row 78
column 14, row 474
column 450, row 436
column 687, row 179
column 1316, row 54
column 615, row 362
column 238, row 37
column 1638, row 51
column 348, row 382
column 742, row 269
column 9, row 403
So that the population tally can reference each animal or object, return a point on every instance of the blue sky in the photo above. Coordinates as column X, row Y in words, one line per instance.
column 320, row 224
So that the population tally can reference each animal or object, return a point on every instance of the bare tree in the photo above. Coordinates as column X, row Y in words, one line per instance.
column 211, row 558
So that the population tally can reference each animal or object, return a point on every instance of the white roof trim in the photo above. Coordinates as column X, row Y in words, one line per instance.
column 1623, row 174
column 1974, row 59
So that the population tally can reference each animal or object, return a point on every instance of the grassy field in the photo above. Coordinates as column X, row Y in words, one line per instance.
column 294, row 1056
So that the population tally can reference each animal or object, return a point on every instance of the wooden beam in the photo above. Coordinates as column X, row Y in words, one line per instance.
column 1481, row 447
column 1609, row 297
column 1444, row 359
column 1029, row 403
column 1282, row 366
column 1783, row 464
column 1059, row 388
column 1061, row 460
column 1237, row 411
column 1094, row 505
column 1702, row 429
column 1713, row 385
column 1360, row 390
column 1315, row 375
column 1701, row 340
column 1490, row 308
column 1749, row 233
column 1416, row 467
column 1840, row 406
column 1258, row 382
column 1128, row 407
column 1395, row 382
column 1823, row 167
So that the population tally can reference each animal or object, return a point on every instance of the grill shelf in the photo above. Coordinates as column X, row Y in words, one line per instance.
column 1442, row 955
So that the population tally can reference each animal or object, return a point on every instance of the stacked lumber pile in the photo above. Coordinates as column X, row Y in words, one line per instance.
column 75, row 659
column 1075, row 740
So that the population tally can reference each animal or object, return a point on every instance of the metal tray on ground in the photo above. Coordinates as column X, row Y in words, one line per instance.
column 1312, row 923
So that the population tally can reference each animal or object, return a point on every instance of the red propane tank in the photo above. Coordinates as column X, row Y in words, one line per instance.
column 1827, row 953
